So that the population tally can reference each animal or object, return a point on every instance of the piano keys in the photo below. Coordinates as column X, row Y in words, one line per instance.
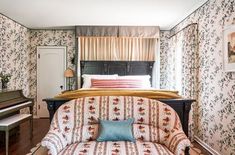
column 12, row 101
column 15, row 108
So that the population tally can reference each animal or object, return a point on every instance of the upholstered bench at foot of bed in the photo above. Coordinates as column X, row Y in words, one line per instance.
column 74, row 128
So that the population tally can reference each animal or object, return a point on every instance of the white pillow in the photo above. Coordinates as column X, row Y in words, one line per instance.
column 87, row 78
column 144, row 78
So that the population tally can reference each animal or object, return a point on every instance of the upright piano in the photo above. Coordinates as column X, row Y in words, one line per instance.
column 11, row 101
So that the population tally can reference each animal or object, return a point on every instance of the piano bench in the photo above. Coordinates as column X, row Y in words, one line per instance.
column 11, row 122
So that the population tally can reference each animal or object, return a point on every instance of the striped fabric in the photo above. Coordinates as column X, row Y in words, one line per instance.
column 116, row 148
column 116, row 83
column 74, row 128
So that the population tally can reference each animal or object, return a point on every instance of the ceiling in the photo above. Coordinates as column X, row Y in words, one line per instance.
column 62, row 13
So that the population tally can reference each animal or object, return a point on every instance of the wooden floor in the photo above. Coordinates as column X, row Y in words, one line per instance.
column 21, row 144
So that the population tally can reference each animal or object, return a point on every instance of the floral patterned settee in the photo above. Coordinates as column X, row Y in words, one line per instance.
column 74, row 128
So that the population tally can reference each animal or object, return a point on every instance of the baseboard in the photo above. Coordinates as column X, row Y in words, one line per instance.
column 206, row 146
column 35, row 117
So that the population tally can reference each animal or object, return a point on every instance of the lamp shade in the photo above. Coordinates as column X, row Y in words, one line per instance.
column 68, row 73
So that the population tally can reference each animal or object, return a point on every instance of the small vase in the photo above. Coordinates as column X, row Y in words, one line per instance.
column 4, row 85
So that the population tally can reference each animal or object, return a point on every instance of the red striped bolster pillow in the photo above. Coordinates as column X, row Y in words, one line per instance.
column 116, row 83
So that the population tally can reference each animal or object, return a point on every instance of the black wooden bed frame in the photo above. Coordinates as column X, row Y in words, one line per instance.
column 117, row 67
column 181, row 106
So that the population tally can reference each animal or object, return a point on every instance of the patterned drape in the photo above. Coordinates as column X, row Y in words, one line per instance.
column 184, row 73
column 117, row 48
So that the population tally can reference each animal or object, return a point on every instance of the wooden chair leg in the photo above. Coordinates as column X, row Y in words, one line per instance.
column 31, row 122
column 7, row 141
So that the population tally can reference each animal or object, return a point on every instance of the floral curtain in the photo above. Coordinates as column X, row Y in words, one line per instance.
column 183, row 74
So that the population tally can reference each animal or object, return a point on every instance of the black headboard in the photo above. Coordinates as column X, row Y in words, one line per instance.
column 117, row 67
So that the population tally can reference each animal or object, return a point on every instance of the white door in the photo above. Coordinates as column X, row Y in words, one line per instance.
column 51, row 64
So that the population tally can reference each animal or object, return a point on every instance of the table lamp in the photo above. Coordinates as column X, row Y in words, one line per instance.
column 68, row 73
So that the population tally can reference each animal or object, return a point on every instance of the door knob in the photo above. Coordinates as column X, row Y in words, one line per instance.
column 61, row 87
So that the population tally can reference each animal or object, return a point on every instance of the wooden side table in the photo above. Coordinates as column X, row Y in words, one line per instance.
column 11, row 122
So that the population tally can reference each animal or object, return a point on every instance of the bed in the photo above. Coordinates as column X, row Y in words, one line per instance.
column 123, row 68
column 94, row 97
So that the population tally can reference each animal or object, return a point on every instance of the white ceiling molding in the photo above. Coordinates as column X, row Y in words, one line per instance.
column 41, row 14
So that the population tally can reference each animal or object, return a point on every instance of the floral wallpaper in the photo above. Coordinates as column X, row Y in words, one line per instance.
column 216, row 89
column 18, row 47
column 14, row 53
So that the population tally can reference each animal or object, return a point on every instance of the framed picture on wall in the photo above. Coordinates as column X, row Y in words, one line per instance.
column 229, row 48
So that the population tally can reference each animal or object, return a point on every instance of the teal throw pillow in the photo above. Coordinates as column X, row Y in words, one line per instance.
column 116, row 130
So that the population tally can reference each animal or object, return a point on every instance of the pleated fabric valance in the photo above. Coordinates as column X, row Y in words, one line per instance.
column 97, row 31
column 117, row 48
column 118, row 31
